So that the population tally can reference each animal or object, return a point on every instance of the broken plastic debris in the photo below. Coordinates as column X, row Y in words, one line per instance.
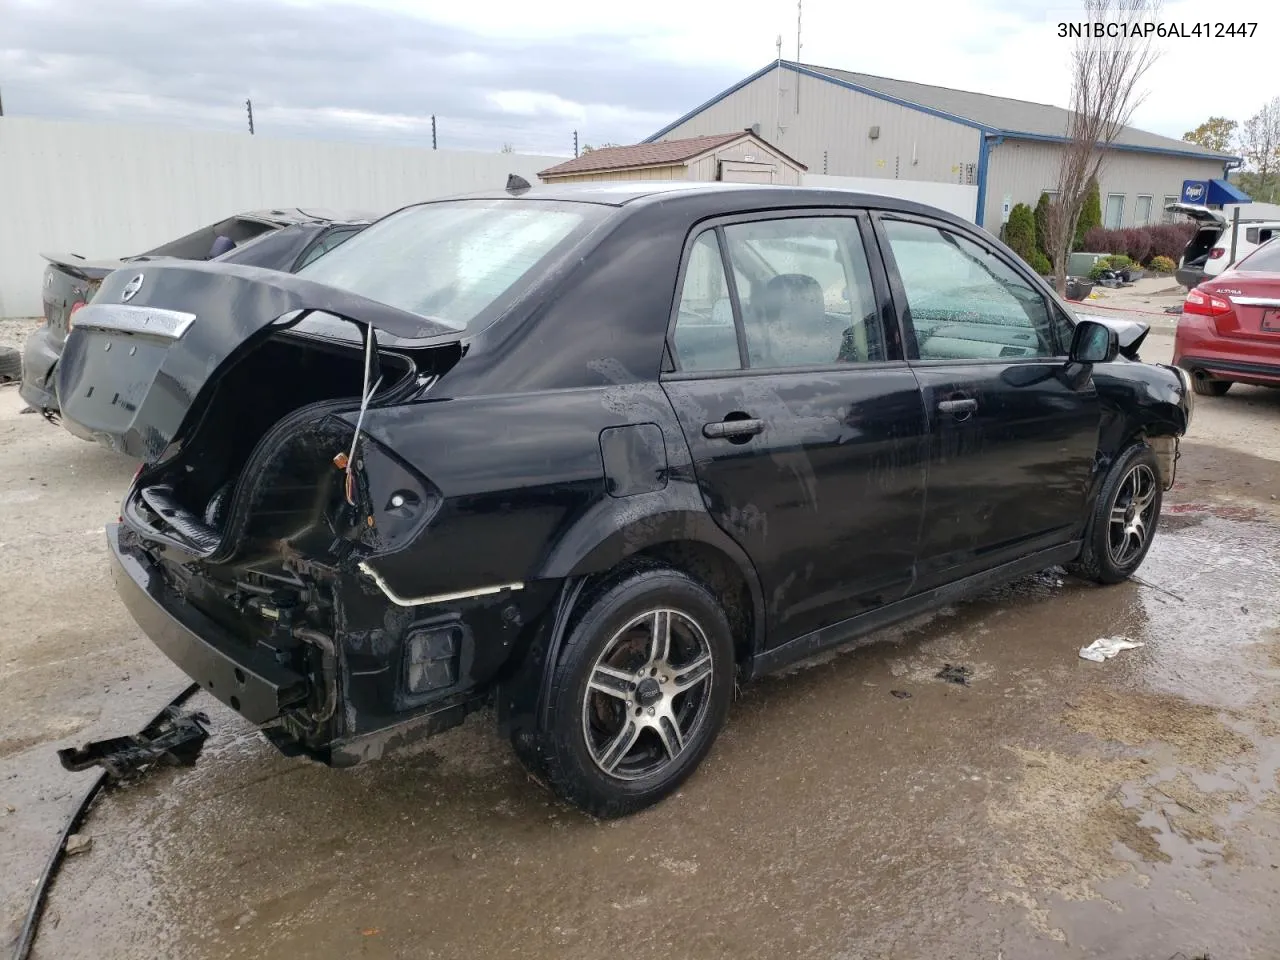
column 901, row 694
column 1104, row 648
column 954, row 673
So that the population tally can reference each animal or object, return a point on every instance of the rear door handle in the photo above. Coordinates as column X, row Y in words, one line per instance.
column 965, row 406
column 728, row 429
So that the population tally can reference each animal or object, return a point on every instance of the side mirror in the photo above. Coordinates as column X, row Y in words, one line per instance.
column 1094, row 342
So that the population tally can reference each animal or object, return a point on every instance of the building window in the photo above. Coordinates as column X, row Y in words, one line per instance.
column 1169, row 216
column 1142, row 213
column 1113, row 217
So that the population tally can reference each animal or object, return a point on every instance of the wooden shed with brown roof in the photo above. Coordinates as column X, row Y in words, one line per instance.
column 740, row 157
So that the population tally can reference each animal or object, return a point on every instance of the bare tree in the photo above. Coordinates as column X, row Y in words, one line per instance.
column 1106, row 75
column 1260, row 140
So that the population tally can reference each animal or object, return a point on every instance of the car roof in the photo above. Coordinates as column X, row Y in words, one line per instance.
column 744, row 196
column 285, row 216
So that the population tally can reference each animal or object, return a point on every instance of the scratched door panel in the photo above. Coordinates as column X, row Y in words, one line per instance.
column 827, row 498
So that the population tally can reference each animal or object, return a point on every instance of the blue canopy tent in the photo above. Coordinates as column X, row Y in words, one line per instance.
column 1213, row 193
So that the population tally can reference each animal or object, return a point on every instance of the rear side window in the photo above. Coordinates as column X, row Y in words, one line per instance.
column 1266, row 259
column 705, row 337
column 811, row 300
column 965, row 303
column 454, row 262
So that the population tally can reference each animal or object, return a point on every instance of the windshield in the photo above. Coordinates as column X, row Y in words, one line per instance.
column 457, row 263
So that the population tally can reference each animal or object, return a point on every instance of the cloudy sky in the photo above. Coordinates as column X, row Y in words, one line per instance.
column 528, row 74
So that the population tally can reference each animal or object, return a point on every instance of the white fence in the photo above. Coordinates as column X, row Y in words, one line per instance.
column 109, row 190
column 955, row 198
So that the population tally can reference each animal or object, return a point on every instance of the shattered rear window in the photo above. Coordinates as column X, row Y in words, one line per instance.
column 454, row 262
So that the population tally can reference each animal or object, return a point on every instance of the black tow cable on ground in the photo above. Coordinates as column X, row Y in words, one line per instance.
column 161, row 725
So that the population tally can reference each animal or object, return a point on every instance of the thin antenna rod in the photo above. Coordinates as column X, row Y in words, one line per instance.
column 798, row 3
column 777, row 107
column 249, row 106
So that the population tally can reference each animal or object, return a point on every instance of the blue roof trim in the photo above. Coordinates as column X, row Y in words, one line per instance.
column 954, row 118
column 848, row 85
column 712, row 102
column 1124, row 147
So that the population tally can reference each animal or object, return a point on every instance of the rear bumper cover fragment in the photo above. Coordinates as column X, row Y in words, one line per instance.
column 250, row 682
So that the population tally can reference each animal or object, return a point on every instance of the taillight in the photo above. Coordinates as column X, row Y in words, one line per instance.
column 1205, row 304
column 1217, row 253
column 71, row 316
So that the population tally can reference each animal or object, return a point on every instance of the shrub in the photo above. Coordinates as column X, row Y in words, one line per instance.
column 1020, row 231
column 1040, row 263
column 1090, row 214
column 1135, row 243
column 1042, row 224
column 1140, row 244
column 1117, row 261
column 1170, row 239
column 1160, row 264
column 1101, row 240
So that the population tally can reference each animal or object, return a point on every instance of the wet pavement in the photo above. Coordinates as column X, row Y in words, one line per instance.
column 1052, row 807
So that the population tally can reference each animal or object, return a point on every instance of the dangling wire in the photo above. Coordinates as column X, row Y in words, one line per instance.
column 366, row 394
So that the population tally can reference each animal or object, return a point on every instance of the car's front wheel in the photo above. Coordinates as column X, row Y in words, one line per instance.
column 1124, row 518
column 640, row 691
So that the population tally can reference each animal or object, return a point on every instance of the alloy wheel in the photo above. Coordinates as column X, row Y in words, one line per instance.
column 1132, row 515
column 648, row 694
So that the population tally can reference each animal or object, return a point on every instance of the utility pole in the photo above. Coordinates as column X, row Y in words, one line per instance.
column 433, row 131
column 249, row 106
column 575, row 143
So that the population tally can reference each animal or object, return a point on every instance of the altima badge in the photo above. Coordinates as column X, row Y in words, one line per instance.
column 131, row 289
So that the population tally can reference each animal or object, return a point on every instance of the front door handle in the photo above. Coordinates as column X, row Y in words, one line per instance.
column 958, row 407
column 732, row 429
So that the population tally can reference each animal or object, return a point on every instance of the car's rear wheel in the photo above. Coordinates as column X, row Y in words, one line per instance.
column 640, row 691
column 1206, row 386
column 1124, row 518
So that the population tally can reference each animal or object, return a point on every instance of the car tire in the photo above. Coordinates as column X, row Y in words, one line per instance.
column 1124, row 518
column 616, row 740
column 1208, row 387
column 10, row 365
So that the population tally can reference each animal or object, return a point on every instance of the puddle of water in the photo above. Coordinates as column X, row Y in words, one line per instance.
column 832, row 819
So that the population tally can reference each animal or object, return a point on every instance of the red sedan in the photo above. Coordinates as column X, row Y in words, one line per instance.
column 1230, row 326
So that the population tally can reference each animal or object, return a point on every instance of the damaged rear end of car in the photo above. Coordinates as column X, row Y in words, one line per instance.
column 241, row 540
column 252, row 544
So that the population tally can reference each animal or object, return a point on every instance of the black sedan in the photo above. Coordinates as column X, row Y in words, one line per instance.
column 594, row 455
column 278, row 239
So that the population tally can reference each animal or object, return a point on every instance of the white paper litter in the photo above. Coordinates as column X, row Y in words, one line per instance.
column 1104, row 648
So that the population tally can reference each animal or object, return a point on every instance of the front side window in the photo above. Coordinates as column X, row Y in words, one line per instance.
column 966, row 303
column 454, row 262
column 811, row 301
